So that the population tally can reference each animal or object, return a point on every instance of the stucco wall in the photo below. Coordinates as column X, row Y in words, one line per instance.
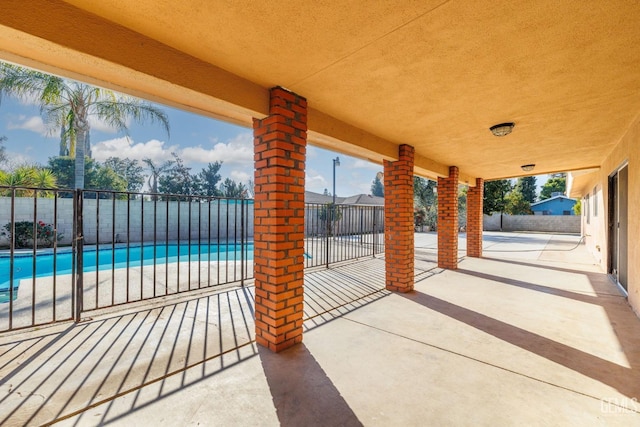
column 539, row 223
column 595, row 230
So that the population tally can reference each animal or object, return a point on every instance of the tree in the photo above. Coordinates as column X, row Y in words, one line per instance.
column 423, row 192
column 251, row 188
column 44, row 178
column 29, row 176
column 516, row 204
column 156, row 172
column 69, row 105
column 178, row 179
column 377, row 188
column 3, row 150
column 527, row 187
column 553, row 185
column 62, row 168
column 98, row 177
column 494, row 195
column 577, row 208
column 129, row 170
column 328, row 215
column 106, row 178
column 425, row 202
column 234, row 190
column 462, row 205
column 209, row 178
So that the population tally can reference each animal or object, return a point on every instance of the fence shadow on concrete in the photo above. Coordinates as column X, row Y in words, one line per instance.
column 126, row 361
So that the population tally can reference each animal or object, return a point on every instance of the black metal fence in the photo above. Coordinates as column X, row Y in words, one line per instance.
column 29, row 221
column 68, row 253
column 336, row 233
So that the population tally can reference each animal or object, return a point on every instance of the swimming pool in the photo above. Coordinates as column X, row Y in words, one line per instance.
column 118, row 257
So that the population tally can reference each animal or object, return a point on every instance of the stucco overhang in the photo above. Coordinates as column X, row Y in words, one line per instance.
column 578, row 182
column 432, row 74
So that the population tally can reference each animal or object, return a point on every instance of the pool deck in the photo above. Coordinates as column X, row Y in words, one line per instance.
column 534, row 333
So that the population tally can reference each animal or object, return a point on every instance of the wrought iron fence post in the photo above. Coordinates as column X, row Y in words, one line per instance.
column 78, row 251
column 12, row 247
column 374, row 233
column 241, row 242
column 327, row 233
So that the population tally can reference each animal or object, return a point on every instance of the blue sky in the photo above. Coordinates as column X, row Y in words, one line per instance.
column 198, row 140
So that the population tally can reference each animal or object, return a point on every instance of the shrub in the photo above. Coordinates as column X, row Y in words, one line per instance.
column 45, row 234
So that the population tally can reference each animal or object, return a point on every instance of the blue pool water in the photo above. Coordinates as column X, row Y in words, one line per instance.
column 110, row 258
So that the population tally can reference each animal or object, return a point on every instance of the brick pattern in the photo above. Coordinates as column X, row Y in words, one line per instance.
column 280, row 151
column 474, row 219
column 398, row 211
column 448, row 220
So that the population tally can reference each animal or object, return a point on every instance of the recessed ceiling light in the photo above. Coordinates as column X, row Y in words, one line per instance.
column 528, row 168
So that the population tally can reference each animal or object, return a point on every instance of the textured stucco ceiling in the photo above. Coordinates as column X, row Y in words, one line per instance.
column 432, row 74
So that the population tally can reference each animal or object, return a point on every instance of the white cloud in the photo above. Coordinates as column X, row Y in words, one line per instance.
column 363, row 164
column 240, row 176
column 314, row 181
column 30, row 123
column 237, row 151
column 16, row 160
column 125, row 148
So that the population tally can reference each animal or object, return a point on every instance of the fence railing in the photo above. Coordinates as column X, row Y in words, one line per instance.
column 68, row 253
column 336, row 233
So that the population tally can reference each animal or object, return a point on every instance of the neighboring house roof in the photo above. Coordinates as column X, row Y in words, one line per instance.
column 364, row 200
column 551, row 199
column 358, row 199
column 310, row 197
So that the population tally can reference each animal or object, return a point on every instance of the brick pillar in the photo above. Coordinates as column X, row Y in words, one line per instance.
column 474, row 219
column 280, row 142
column 448, row 220
column 398, row 221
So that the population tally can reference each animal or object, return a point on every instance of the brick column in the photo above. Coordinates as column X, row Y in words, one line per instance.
column 398, row 221
column 474, row 219
column 448, row 220
column 280, row 142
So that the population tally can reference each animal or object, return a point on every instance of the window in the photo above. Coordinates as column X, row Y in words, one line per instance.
column 587, row 213
column 595, row 201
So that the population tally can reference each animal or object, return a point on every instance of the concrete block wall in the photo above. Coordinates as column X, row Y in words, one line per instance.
column 220, row 219
column 136, row 221
column 536, row 223
column 39, row 209
column 353, row 220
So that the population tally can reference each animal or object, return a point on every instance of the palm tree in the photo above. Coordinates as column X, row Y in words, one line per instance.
column 69, row 105
column 29, row 177
column 156, row 171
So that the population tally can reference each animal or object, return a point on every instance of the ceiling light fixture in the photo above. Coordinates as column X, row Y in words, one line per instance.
column 502, row 129
column 528, row 168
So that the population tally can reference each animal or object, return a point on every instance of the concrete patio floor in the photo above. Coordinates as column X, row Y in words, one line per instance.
column 534, row 333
